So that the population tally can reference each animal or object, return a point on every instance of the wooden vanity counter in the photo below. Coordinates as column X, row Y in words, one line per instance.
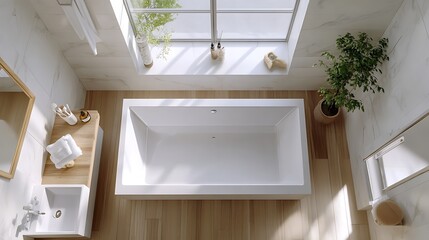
column 85, row 135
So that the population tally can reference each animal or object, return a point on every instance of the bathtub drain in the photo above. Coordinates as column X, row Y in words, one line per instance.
column 57, row 214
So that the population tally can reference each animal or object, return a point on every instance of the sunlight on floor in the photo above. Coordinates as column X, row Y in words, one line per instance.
column 341, row 199
column 335, row 221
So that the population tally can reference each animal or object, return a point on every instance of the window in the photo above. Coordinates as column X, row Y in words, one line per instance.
column 214, row 20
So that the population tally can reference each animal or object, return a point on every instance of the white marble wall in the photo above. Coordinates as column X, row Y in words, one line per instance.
column 406, row 82
column 27, row 47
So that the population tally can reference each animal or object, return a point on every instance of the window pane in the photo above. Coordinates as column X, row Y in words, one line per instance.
column 182, row 4
column 253, row 25
column 256, row 4
column 182, row 25
column 190, row 26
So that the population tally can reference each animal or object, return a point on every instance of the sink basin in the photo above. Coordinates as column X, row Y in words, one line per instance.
column 65, row 208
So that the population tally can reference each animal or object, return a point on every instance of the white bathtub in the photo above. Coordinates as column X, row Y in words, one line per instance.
column 213, row 149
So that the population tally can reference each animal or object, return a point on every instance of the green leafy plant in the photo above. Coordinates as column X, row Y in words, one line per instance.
column 354, row 68
column 152, row 25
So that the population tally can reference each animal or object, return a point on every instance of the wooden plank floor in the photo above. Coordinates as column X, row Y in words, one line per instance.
column 328, row 213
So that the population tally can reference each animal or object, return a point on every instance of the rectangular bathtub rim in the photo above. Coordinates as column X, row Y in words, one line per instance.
column 218, row 102
column 283, row 102
column 230, row 197
column 215, row 190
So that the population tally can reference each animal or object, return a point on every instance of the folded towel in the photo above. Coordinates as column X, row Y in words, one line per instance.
column 63, row 151
column 59, row 150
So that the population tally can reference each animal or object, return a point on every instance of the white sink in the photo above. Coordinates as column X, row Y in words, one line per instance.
column 65, row 207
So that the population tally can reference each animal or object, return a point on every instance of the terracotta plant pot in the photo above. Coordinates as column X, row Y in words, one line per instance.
column 324, row 114
column 387, row 213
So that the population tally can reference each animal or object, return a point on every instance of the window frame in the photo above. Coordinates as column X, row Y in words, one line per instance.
column 213, row 11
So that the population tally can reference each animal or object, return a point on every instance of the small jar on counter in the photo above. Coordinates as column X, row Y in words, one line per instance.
column 84, row 116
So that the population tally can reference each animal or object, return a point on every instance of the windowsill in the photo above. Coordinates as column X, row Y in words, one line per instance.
column 187, row 58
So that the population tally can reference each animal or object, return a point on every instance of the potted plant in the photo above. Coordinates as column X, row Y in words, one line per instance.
column 150, row 27
column 355, row 68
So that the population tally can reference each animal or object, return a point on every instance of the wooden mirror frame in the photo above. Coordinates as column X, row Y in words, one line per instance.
column 21, row 135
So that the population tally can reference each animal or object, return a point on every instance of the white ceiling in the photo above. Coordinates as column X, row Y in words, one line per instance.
column 113, row 69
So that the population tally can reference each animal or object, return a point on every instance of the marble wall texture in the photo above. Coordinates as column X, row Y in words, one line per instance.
column 406, row 82
column 27, row 47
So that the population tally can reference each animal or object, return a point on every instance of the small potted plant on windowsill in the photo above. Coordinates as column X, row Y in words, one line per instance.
column 150, row 27
column 354, row 68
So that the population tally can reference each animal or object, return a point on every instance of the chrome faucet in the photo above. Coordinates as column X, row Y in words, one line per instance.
column 29, row 209
column 29, row 216
column 35, row 212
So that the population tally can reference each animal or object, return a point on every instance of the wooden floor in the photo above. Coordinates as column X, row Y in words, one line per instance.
column 328, row 213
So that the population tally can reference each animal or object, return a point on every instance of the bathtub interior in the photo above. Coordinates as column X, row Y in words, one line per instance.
column 235, row 145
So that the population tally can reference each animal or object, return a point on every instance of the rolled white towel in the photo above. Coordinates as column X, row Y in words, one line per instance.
column 63, row 151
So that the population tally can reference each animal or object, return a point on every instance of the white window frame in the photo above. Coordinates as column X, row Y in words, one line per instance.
column 213, row 20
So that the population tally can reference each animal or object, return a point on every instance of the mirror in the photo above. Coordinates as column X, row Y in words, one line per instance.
column 16, row 103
